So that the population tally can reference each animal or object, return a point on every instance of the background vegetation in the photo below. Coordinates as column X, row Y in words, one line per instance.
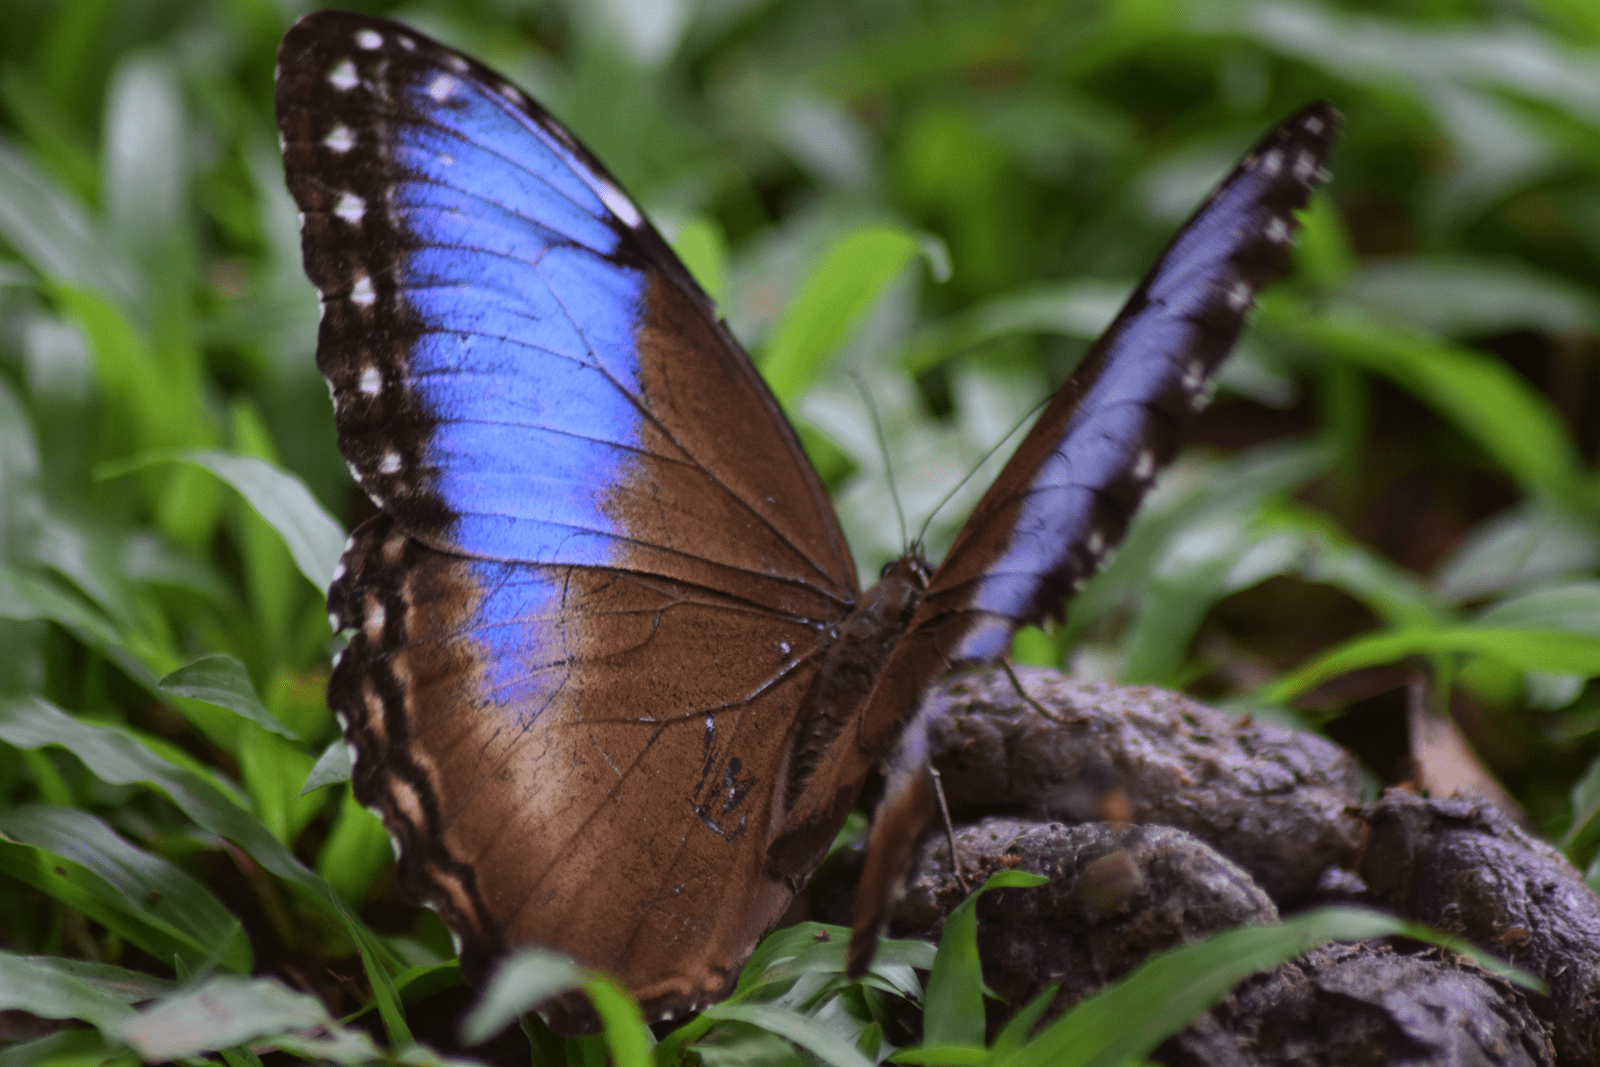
column 947, row 199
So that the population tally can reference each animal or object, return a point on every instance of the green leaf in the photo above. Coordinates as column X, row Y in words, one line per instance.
column 1126, row 1022
column 1462, row 295
column 315, row 539
column 274, row 771
column 356, row 851
column 23, row 596
column 1524, row 544
column 525, row 980
column 943, row 1055
column 130, row 987
column 703, row 248
column 953, row 1006
column 222, row 681
column 57, row 236
column 1557, row 651
column 1076, row 309
column 332, row 766
column 41, row 987
column 1574, row 607
column 146, row 159
column 80, row 861
column 842, row 288
column 1515, row 425
column 822, row 1043
column 621, row 1024
column 227, row 1011
column 113, row 756
column 1585, row 809
column 1017, row 1028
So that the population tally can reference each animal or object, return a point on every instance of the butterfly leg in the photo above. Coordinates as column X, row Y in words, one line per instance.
column 949, row 830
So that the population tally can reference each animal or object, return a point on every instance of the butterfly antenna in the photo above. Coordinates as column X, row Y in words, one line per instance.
column 978, row 466
column 883, row 448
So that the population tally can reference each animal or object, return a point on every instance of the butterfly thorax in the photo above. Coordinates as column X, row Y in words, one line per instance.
column 851, row 663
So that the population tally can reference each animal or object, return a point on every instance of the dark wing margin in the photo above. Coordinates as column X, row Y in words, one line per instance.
column 1065, row 499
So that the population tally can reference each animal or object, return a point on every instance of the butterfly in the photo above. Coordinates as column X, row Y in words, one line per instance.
column 611, row 682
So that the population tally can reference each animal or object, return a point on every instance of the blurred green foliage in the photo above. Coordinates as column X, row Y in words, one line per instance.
column 946, row 200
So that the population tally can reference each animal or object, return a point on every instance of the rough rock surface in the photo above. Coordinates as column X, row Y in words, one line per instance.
column 1367, row 1004
column 1276, row 801
column 1462, row 867
column 1190, row 821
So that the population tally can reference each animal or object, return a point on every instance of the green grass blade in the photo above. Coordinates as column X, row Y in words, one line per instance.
column 78, row 859
column 827, row 1046
column 1556, row 651
column 1127, row 1021
column 115, row 757
column 222, row 681
column 953, row 1006
column 519, row 984
column 41, row 987
column 841, row 289
column 315, row 539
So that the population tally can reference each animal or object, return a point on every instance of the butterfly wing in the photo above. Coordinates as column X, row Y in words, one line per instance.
column 1064, row 500
column 604, row 570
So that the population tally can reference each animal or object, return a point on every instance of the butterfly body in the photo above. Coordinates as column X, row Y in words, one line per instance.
column 612, row 684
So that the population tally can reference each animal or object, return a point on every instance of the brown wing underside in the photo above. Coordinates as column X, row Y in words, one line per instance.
column 572, row 757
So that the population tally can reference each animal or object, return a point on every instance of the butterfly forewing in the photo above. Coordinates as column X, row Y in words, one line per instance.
column 520, row 367
column 1065, row 499
column 604, row 572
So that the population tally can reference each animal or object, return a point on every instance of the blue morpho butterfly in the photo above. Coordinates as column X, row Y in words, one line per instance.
column 613, row 686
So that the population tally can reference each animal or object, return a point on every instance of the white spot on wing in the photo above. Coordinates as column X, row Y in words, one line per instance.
column 338, row 570
column 369, row 39
column 343, row 75
column 456, row 63
column 1097, row 543
column 1313, row 125
column 441, row 87
column 511, row 92
column 407, row 43
column 340, row 139
column 618, row 202
column 1305, row 166
column 350, row 208
column 1145, row 465
column 1193, row 375
column 1238, row 296
column 1272, row 162
column 362, row 292
column 371, row 382
column 1277, row 230
column 390, row 464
